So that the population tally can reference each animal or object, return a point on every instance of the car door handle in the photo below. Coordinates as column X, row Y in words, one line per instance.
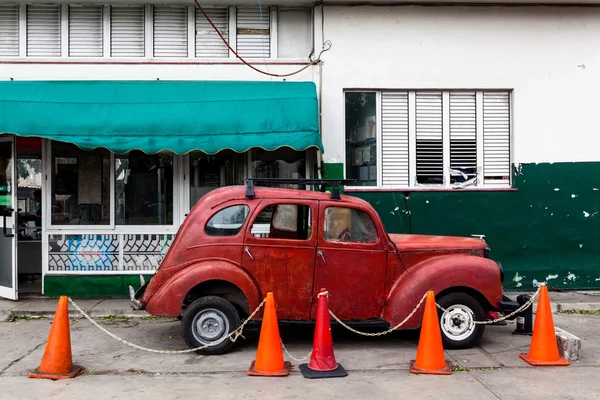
column 249, row 254
column 320, row 253
column 5, row 214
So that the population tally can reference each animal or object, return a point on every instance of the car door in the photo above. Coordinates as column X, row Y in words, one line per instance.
column 351, row 261
column 280, row 251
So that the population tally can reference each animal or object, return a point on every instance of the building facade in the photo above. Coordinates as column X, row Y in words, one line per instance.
column 453, row 120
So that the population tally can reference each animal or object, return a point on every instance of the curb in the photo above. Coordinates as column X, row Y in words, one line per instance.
column 8, row 315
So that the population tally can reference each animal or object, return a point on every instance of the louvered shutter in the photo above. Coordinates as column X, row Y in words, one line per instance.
column 85, row 31
column 496, row 137
column 394, row 150
column 43, row 30
column 253, row 32
column 429, row 142
column 208, row 42
column 463, row 134
column 127, row 25
column 9, row 30
column 170, row 31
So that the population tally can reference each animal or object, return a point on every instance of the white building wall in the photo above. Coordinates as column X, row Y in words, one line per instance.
column 547, row 55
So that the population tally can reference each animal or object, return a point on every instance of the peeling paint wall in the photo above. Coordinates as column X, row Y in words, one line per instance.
column 538, row 233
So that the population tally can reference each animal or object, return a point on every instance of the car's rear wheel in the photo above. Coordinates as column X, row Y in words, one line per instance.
column 456, row 323
column 207, row 320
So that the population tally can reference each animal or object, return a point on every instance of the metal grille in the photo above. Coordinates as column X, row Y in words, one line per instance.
column 9, row 30
column 394, row 116
column 43, row 30
column 85, row 31
column 429, row 142
column 496, row 137
column 127, row 36
column 253, row 32
column 463, row 133
column 170, row 31
column 208, row 42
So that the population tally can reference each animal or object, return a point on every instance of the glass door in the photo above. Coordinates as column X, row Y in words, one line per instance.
column 8, row 237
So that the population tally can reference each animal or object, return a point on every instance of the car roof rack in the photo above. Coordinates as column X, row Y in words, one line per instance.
column 334, row 183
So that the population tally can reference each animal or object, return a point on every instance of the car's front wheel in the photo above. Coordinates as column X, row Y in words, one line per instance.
column 207, row 320
column 456, row 323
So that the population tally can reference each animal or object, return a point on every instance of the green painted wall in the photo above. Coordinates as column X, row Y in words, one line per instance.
column 91, row 286
column 546, row 230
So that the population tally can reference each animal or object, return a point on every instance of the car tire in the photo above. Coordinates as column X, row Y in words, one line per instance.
column 456, row 324
column 207, row 320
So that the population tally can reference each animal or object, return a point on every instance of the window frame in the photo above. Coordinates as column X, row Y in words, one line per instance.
column 112, row 227
column 270, row 12
column 314, row 220
column 413, row 185
column 241, row 229
column 324, row 243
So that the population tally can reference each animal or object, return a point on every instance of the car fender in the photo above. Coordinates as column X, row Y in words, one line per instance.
column 468, row 272
column 168, row 300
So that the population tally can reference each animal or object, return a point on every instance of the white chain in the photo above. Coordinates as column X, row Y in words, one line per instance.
column 299, row 360
column 518, row 310
column 233, row 336
column 385, row 332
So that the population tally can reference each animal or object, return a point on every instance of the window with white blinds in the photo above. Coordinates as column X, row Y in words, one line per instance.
column 127, row 31
column 253, row 32
column 457, row 139
column 43, row 30
column 85, row 31
column 170, row 31
column 208, row 42
column 9, row 30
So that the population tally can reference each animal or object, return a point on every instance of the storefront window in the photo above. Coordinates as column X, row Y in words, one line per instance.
column 281, row 163
column 144, row 188
column 361, row 138
column 80, row 186
column 208, row 172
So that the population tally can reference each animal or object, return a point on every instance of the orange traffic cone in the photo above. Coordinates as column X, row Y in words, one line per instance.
column 57, row 361
column 269, row 356
column 322, row 360
column 430, row 352
column 543, row 350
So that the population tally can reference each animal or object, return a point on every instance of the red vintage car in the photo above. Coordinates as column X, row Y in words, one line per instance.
column 238, row 243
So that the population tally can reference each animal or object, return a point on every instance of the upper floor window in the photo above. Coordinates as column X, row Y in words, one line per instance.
column 400, row 139
column 153, row 31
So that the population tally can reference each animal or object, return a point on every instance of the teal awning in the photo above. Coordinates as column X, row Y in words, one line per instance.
column 151, row 116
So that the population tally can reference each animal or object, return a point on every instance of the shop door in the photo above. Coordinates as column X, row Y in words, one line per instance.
column 8, row 213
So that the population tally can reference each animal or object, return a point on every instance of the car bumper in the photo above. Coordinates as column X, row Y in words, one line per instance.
column 136, row 296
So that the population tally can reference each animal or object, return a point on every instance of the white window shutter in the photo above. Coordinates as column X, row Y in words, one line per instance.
column 253, row 32
column 394, row 128
column 85, row 31
column 429, row 138
column 43, row 30
column 496, row 138
column 208, row 42
column 170, row 31
column 463, row 134
column 127, row 28
column 9, row 30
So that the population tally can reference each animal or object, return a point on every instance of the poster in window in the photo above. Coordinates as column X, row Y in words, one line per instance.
column 90, row 179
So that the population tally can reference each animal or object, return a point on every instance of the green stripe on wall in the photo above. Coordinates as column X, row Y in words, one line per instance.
column 91, row 286
column 547, row 230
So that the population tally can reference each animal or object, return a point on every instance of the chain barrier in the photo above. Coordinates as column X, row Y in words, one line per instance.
column 233, row 336
column 517, row 311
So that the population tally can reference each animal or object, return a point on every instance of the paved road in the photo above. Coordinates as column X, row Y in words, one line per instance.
column 377, row 366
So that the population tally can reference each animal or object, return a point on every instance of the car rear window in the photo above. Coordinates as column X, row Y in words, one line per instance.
column 228, row 221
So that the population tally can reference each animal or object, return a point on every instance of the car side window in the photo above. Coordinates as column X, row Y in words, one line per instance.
column 283, row 221
column 343, row 224
column 228, row 221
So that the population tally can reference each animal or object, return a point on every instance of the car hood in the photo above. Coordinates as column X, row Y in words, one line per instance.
column 432, row 243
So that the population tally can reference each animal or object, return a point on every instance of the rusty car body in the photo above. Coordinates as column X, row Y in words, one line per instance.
column 234, row 247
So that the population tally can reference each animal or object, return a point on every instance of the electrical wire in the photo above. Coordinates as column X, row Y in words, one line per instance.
column 326, row 47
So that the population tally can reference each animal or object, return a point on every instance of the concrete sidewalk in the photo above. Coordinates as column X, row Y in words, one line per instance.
column 97, row 308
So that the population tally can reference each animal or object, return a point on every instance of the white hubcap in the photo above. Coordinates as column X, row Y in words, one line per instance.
column 457, row 322
column 210, row 325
